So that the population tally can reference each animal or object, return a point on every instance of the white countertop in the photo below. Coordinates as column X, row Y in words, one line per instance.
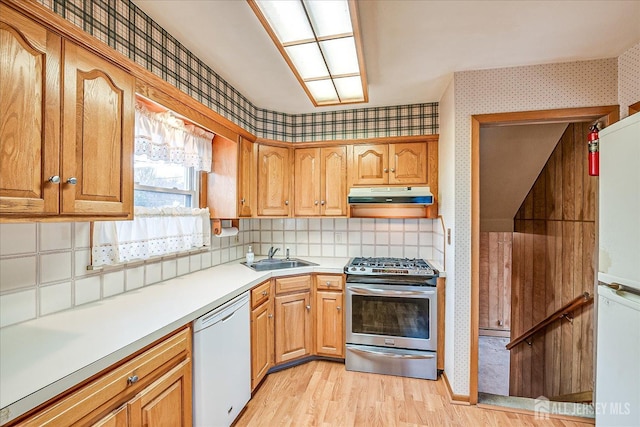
column 41, row 358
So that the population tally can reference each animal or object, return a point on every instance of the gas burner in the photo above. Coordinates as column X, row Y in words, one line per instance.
column 390, row 266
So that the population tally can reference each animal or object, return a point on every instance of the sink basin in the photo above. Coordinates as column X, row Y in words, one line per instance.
column 277, row 264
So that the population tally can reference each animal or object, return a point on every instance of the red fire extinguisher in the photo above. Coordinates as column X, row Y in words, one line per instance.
column 594, row 155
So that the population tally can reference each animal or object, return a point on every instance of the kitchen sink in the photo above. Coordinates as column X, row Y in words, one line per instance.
column 277, row 264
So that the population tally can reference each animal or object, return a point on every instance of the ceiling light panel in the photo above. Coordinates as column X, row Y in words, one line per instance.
column 349, row 88
column 341, row 56
column 323, row 91
column 308, row 60
column 287, row 19
column 329, row 17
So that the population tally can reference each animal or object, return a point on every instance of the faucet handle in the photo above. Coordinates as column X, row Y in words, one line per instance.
column 287, row 253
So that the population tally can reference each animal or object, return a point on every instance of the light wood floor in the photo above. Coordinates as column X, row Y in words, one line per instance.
column 324, row 394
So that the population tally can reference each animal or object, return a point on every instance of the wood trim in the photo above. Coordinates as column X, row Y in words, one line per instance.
column 456, row 399
column 532, row 413
column 634, row 108
column 357, row 35
column 358, row 141
column 611, row 114
column 494, row 333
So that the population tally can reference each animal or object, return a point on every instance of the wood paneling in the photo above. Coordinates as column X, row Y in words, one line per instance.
column 495, row 282
column 553, row 262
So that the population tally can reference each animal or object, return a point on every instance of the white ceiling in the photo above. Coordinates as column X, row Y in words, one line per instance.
column 411, row 47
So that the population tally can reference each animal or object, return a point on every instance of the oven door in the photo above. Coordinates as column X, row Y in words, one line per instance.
column 392, row 316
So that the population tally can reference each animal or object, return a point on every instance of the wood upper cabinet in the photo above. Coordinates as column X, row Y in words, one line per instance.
column 231, row 188
column 329, row 303
column 29, row 115
column 274, row 177
column 379, row 164
column 320, row 176
column 262, row 339
column 66, row 127
column 293, row 332
column 98, row 115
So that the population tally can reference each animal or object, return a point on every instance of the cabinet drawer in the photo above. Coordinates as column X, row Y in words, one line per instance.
column 260, row 293
column 121, row 383
column 329, row 282
column 293, row 283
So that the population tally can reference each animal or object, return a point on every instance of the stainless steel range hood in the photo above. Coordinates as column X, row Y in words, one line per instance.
column 390, row 202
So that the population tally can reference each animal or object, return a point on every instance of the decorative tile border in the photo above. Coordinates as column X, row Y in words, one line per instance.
column 127, row 29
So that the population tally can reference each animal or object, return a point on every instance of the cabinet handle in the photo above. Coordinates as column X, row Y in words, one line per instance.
column 286, row 202
column 315, row 203
column 242, row 200
column 338, row 308
column 308, row 307
column 393, row 169
column 73, row 180
column 132, row 379
column 322, row 203
column 270, row 316
column 55, row 179
column 265, row 293
column 386, row 170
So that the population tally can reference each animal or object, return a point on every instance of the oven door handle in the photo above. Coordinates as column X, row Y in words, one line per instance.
column 392, row 355
column 375, row 291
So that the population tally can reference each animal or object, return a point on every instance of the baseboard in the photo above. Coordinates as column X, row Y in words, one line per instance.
column 533, row 414
column 456, row 399
column 494, row 333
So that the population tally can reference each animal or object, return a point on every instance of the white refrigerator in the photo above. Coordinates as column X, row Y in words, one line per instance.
column 617, row 387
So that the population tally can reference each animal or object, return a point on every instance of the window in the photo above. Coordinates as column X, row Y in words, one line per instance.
column 158, row 184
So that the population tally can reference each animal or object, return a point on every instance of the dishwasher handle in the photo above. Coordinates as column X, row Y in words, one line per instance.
column 222, row 313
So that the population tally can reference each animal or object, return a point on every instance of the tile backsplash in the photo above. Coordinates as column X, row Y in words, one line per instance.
column 43, row 266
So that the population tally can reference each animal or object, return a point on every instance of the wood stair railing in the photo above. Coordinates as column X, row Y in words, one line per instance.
column 563, row 312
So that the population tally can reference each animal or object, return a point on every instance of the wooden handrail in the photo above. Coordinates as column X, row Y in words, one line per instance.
column 563, row 311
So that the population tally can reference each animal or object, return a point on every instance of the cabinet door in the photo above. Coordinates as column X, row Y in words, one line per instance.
column 334, row 181
column 408, row 163
column 97, row 150
column 166, row 402
column 329, row 324
column 118, row 418
column 370, row 164
column 246, row 178
column 29, row 115
column 273, row 181
column 307, row 181
column 261, row 342
column 293, row 326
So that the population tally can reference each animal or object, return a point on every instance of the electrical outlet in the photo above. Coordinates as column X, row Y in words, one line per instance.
column 337, row 237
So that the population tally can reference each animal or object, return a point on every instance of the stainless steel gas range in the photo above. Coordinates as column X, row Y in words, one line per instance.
column 391, row 317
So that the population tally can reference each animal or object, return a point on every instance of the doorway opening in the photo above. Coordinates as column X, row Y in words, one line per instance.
column 517, row 259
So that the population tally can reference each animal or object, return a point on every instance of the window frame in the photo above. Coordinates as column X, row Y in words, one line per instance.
column 193, row 182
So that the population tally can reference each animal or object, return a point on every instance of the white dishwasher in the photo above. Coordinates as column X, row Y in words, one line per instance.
column 222, row 363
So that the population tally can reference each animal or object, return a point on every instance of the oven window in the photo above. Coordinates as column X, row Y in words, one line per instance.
column 399, row 317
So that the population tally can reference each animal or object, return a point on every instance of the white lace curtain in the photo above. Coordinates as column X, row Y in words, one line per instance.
column 154, row 232
column 163, row 137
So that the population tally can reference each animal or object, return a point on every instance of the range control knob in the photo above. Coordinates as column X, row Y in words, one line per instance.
column 353, row 269
column 362, row 268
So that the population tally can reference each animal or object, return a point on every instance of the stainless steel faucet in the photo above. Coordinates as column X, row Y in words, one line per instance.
column 272, row 252
column 287, row 253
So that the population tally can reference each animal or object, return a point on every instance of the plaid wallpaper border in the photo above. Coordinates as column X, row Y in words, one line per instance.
column 127, row 29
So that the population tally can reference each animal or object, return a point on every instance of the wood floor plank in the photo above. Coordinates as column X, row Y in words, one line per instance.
column 324, row 394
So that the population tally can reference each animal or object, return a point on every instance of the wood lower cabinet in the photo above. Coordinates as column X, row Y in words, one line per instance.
column 262, row 332
column 151, row 389
column 66, row 127
column 293, row 330
column 329, row 323
column 320, row 176
column 274, row 178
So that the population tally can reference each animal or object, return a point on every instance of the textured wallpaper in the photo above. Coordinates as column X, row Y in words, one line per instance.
column 127, row 29
column 538, row 87
column 628, row 79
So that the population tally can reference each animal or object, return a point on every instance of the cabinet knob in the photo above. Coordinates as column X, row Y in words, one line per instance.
column 286, row 202
column 308, row 307
column 393, row 169
column 132, row 379
column 265, row 293
column 315, row 203
column 328, row 283
column 322, row 202
column 338, row 308
column 270, row 316
column 73, row 180
column 242, row 200
column 500, row 322
column 55, row 179
column 386, row 170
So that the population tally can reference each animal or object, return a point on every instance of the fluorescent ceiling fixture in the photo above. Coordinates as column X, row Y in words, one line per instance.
column 320, row 41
